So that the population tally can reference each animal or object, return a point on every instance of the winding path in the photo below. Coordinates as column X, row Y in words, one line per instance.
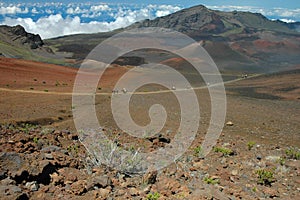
column 109, row 94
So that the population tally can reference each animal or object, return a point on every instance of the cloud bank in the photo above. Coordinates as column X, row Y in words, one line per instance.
column 53, row 20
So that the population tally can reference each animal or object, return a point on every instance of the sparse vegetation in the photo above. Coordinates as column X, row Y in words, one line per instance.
column 31, row 88
column 281, row 161
column 46, row 90
column 36, row 140
column 153, row 196
column 250, row 145
column 293, row 153
column 26, row 127
column 198, row 151
column 211, row 180
column 224, row 151
column 73, row 148
column 265, row 177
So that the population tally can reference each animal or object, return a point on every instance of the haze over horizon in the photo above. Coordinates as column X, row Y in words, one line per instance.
column 64, row 17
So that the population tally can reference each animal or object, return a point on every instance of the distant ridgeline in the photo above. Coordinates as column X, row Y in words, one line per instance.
column 237, row 41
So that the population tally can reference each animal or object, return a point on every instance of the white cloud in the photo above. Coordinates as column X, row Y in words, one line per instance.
column 101, row 7
column 77, row 10
column 53, row 24
column 34, row 11
column 287, row 20
column 56, row 25
column 278, row 12
column 12, row 10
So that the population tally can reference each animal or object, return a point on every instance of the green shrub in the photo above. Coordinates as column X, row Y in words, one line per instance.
column 265, row 176
column 281, row 161
column 153, row 196
column 293, row 153
column 73, row 148
column 224, row 151
column 26, row 127
column 36, row 140
column 198, row 151
column 250, row 145
column 212, row 181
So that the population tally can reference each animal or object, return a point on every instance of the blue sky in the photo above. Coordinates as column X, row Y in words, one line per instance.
column 259, row 3
column 78, row 16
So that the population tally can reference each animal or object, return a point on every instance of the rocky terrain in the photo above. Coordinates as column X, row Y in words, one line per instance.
column 44, row 163
column 257, row 155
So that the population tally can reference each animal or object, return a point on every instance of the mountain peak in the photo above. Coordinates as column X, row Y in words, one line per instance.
column 201, row 21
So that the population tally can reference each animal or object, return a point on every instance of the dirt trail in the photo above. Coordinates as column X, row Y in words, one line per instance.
column 108, row 93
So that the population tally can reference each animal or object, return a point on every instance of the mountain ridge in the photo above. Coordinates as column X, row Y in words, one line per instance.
column 236, row 40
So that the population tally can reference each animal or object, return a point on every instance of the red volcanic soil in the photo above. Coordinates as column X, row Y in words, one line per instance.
column 23, row 74
column 30, row 75
column 176, row 63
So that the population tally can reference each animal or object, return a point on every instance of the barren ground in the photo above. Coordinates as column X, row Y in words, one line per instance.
column 47, row 161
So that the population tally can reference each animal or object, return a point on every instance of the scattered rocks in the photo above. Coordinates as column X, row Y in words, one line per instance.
column 56, row 172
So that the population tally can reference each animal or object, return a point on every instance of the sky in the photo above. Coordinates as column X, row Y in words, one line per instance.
column 63, row 17
column 260, row 3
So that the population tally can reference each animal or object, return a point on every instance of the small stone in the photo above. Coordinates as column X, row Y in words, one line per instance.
column 11, row 142
column 104, row 192
column 273, row 158
column 229, row 123
column 56, row 179
column 49, row 156
column 258, row 157
column 98, row 182
column 133, row 192
column 147, row 189
column 234, row 172
column 150, row 178
column 33, row 186
column 215, row 177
